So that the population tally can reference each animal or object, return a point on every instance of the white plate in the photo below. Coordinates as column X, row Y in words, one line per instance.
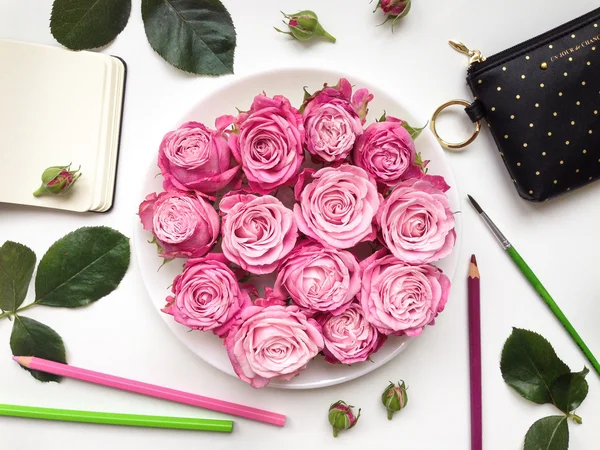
column 239, row 93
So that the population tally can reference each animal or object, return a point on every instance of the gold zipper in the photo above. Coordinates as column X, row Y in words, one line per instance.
column 474, row 55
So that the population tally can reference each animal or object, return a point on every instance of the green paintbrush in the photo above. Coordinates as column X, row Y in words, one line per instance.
column 535, row 282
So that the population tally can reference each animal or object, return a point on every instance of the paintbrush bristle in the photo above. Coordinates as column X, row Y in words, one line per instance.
column 475, row 204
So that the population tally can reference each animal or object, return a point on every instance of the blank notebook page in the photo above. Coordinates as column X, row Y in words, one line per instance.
column 51, row 113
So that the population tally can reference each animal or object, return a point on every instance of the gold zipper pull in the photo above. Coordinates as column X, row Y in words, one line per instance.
column 474, row 55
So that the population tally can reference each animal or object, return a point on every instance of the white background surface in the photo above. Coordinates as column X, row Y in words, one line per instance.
column 122, row 334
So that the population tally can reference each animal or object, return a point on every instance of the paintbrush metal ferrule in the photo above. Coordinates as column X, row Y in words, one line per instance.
column 491, row 225
column 495, row 231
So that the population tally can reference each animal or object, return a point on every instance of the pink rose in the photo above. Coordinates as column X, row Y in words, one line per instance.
column 194, row 157
column 332, row 121
column 349, row 338
column 183, row 224
column 386, row 151
column 318, row 279
column 257, row 231
column 338, row 206
column 269, row 343
column 207, row 295
column 268, row 141
column 416, row 222
column 399, row 298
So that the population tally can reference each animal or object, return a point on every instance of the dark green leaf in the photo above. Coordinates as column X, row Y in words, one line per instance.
column 549, row 433
column 17, row 263
column 382, row 118
column 32, row 338
column 569, row 390
column 82, row 267
column 193, row 35
column 530, row 366
column 84, row 24
column 414, row 132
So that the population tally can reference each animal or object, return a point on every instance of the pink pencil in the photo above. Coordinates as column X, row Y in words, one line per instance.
column 150, row 390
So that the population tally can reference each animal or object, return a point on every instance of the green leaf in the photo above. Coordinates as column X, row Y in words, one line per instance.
column 84, row 24
column 549, row 433
column 530, row 366
column 82, row 267
column 17, row 263
column 193, row 35
column 414, row 132
column 32, row 338
column 570, row 390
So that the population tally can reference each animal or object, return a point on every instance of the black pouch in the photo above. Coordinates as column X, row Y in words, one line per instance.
column 541, row 100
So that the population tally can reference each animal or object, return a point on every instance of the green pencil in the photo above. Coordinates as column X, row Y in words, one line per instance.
column 536, row 283
column 132, row 420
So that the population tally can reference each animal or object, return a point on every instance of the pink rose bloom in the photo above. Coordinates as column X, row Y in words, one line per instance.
column 268, row 141
column 399, row 298
column 337, row 208
column 332, row 121
column 386, row 151
column 318, row 278
column 349, row 338
column 275, row 342
column 184, row 225
column 207, row 295
column 194, row 157
column 416, row 222
column 257, row 231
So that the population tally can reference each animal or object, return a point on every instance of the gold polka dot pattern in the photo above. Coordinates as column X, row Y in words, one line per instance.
column 545, row 95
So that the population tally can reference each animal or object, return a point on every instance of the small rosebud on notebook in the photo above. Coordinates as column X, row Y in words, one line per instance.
column 57, row 180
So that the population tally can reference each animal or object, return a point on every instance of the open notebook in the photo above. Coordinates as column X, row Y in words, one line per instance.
column 59, row 107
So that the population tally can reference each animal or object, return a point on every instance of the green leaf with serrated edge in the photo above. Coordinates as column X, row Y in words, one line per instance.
column 32, row 338
column 549, row 433
column 414, row 132
column 85, row 24
column 570, row 390
column 196, row 36
column 82, row 267
column 530, row 366
column 17, row 263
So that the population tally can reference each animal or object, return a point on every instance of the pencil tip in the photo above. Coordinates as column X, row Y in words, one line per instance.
column 475, row 204
column 473, row 259
column 23, row 360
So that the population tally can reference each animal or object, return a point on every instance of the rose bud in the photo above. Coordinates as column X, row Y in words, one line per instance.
column 394, row 398
column 341, row 417
column 57, row 180
column 394, row 9
column 304, row 25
